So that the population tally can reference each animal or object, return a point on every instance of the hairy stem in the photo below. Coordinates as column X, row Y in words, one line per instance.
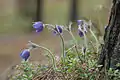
column 76, row 44
column 63, row 48
column 85, row 38
column 51, row 54
column 97, row 42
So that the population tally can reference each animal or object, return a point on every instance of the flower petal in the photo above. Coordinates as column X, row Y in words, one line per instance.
column 80, row 33
column 57, row 29
column 25, row 54
column 39, row 30
column 38, row 26
column 79, row 22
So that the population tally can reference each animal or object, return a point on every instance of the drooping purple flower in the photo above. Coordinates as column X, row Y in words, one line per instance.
column 38, row 26
column 79, row 22
column 82, row 28
column 25, row 54
column 80, row 33
column 57, row 29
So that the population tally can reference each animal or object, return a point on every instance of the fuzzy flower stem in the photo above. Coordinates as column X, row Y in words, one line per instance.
column 97, row 42
column 92, row 46
column 76, row 43
column 83, row 54
column 63, row 47
column 52, row 56
column 62, row 40
column 85, row 38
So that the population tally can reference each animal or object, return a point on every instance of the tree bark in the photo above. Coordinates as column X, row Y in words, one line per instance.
column 74, row 10
column 39, row 9
column 110, row 53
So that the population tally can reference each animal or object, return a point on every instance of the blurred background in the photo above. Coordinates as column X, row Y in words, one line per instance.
column 16, row 17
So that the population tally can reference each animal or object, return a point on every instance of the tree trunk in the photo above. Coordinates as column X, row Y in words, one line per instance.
column 74, row 10
column 110, row 53
column 39, row 9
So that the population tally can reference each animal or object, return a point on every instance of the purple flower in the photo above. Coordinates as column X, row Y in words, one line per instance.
column 82, row 28
column 57, row 29
column 25, row 54
column 38, row 26
column 80, row 33
column 80, row 22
